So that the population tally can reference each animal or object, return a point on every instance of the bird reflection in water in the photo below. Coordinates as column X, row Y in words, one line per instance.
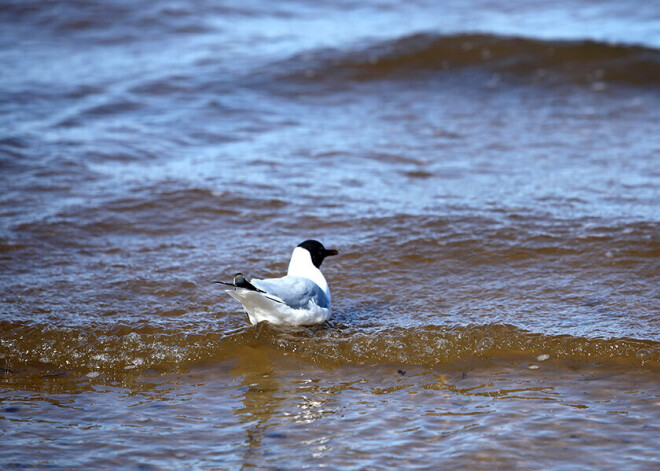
column 280, row 401
column 259, row 390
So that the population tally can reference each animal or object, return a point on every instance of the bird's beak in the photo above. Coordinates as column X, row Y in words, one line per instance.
column 330, row 252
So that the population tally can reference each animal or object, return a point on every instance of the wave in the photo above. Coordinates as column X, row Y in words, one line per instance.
column 111, row 22
column 149, row 210
column 539, row 61
column 122, row 349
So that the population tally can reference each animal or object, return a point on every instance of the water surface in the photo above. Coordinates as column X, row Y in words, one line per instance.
column 488, row 173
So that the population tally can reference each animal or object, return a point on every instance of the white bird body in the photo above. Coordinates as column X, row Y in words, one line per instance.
column 302, row 297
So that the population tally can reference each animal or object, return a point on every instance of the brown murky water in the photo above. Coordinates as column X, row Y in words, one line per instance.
column 268, row 408
column 490, row 177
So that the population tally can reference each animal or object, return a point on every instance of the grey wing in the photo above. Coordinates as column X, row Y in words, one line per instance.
column 294, row 291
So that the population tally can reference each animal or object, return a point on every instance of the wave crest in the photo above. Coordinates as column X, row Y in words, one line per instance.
column 123, row 349
column 547, row 61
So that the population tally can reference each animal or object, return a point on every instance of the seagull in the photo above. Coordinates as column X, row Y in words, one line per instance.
column 302, row 297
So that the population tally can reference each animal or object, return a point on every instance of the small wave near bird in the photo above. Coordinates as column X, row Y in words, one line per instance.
column 302, row 297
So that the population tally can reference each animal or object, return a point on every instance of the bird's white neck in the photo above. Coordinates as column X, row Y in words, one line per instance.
column 301, row 265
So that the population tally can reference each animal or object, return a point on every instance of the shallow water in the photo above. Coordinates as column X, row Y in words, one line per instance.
column 269, row 408
column 488, row 173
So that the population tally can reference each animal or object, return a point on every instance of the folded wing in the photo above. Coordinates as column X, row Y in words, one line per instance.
column 294, row 291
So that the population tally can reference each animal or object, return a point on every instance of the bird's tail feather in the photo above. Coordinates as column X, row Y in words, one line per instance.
column 241, row 282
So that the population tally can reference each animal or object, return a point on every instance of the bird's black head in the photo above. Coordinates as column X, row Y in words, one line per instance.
column 317, row 251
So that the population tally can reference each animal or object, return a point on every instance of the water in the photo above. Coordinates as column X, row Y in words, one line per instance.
column 489, row 174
